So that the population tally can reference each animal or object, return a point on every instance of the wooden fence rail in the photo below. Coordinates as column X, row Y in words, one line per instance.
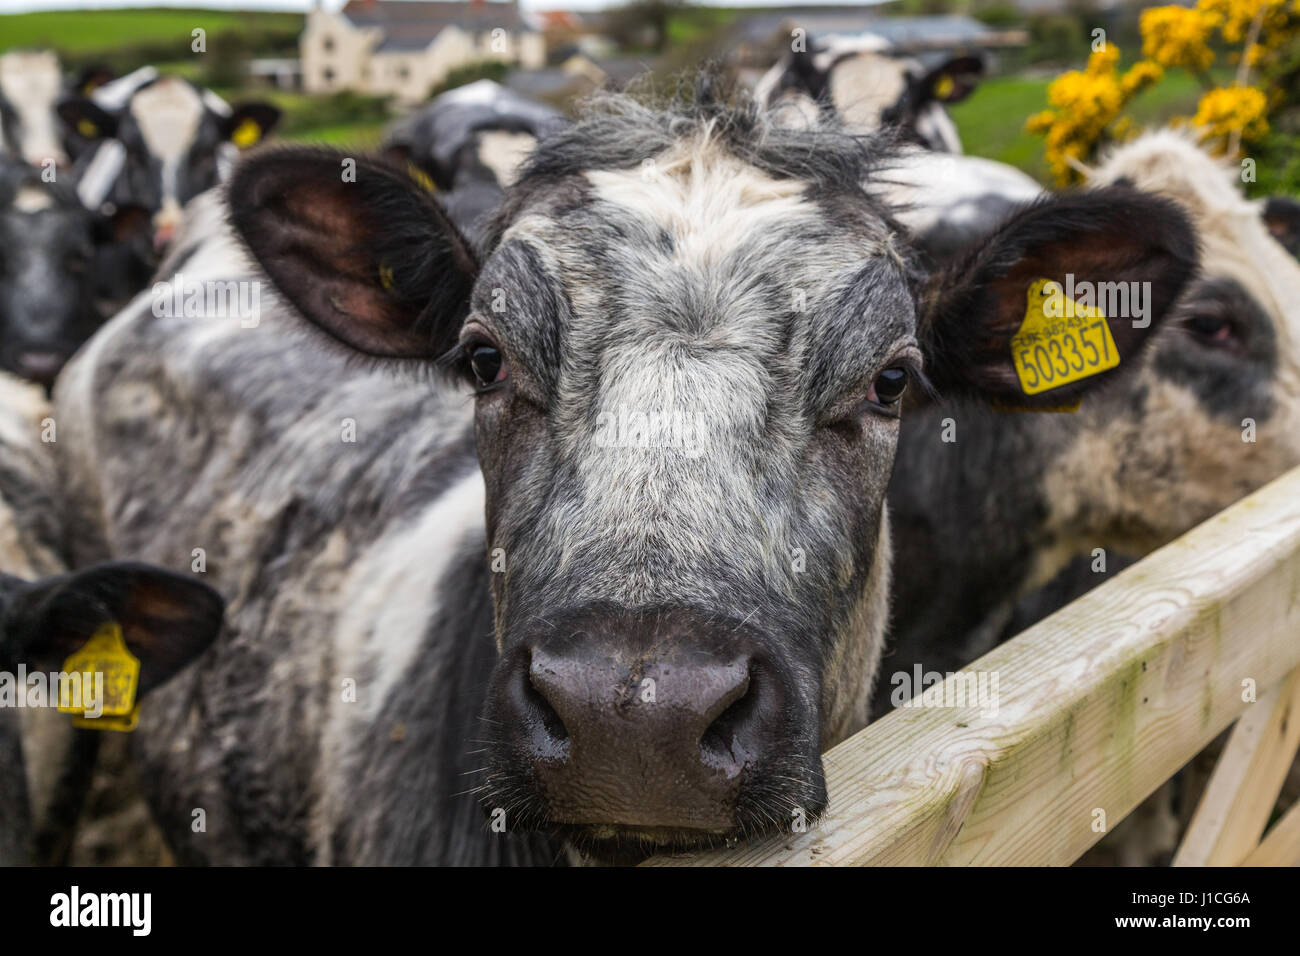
column 1097, row 706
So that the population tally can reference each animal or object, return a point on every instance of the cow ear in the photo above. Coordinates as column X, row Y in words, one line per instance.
column 1281, row 215
column 87, row 118
column 167, row 619
column 358, row 247
column 93, row 77
column 953, row 81
column 1085, row 241
column 250, row 123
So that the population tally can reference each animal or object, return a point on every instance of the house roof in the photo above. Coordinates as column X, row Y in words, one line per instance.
column 414, row 24
column 952, row 29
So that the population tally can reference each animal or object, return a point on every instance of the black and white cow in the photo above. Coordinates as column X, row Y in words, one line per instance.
column 950, row 201
column 63, row 270
column 470, row 142
column 868, row 85
column 31, row 84
column 167, row 620
column 160, row 141
column 46, row 614
column 629, row 590
column 1211, row 413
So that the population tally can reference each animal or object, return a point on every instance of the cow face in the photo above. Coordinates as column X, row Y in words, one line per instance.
column 46, row 254
column 1215, row 410
column 167, row 620
column 471, row 142
column 175, row 139
column 55, row 287
column 30, row 86
column 688, row 347
column 866, row 87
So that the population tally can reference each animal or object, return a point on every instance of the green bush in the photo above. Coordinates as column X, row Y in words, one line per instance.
column 304, row 114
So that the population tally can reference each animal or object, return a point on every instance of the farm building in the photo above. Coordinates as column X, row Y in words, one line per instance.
column 401, row 49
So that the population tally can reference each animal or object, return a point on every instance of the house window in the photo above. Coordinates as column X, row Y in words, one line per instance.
column 329, row 75
column 327, row 44
column 404, row 73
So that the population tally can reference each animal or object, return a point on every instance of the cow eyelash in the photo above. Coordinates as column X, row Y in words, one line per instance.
column 461, row 358
column 910, row 362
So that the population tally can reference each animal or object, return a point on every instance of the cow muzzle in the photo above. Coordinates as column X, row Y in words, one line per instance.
column 656, row 727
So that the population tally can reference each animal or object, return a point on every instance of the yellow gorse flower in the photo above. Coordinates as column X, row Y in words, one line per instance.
column 1086, row 102
column 1223, row 112
column 1232, row 18
column 1086, row 105
column 1177, row 36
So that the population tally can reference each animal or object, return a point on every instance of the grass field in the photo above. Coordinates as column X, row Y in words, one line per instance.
column 75, row 31
column 992, row 120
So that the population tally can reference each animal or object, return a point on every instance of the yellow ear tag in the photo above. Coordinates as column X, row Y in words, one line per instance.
column 105, row 654
column 1060, row 340
column 422, row 179
column 944, row 86
column 87, row 129
column 386, row 277
column 246, row 134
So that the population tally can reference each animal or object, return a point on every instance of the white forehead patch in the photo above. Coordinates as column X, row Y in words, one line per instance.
column 504, row 153
column 864, row 86
column 32, row 82
column 706, row 199
column 168, row 114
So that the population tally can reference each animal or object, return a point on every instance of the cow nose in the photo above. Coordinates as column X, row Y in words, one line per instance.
column 40, row 366
column 162, row 237
column 655, row 740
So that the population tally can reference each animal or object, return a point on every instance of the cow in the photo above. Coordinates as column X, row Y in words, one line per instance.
column 587, row 532
column 167, row 619
column 470, row 142
column 31, row 83
column 157, row 142
column 867, row 84
column 1211, row 414
column 950, row 201
column 47, row 613
column 63, row 270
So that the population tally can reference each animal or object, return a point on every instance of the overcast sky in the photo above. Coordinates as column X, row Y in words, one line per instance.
column 19, row 6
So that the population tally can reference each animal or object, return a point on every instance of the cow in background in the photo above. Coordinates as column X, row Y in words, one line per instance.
column 63, row 270
column 867, row 84
column 31, row 83
column 47, row 613
column 470, row 143
column 159, row 141
column 1134, row 466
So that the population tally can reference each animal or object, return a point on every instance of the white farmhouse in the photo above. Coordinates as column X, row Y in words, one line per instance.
column 402, row 48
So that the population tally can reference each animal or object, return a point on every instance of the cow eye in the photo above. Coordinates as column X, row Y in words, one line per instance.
column 1213, row 330
column 889, row 386
column 488, row 365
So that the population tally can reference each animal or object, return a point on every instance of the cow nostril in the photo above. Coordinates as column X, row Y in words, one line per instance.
column 535, row 697
column 723, row 745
